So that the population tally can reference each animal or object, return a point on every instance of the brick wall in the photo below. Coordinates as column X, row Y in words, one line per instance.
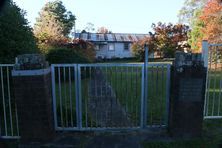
column 34, row 104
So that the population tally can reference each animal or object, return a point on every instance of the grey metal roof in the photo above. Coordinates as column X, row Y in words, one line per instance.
column 110, row 37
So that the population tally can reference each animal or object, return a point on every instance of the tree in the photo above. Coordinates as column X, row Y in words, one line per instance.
column 138, row 47
column 207, row 25
column 211, row 17
column 195, row 36
column 16, row 35
column 89, row 27
column 187, row 13
column 166, row 39
column 103, row 30
column 54, row 23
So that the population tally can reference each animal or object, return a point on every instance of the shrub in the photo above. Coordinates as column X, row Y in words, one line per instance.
column 65, row 55
column 84, row 48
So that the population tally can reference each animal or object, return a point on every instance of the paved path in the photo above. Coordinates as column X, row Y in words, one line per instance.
column 104, row 107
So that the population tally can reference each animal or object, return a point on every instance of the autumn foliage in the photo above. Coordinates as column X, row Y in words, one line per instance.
column 84, row 48
column 212, row 19
column 165, row 40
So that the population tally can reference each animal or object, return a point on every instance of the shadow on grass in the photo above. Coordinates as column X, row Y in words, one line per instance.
column 212, row 138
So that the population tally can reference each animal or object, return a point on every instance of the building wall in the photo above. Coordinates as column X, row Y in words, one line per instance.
column 118, row 51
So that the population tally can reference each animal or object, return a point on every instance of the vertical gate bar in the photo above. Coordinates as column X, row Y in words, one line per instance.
column 157, row 86
column 16, row 118
column 89, row 92
column 122, row 86
column 65, row 97
column 214, row 83
column 205, row 54
column 126, row 97
column 142, row 100
column 220, row 90
column 215, row 76
column 145, row 86
column 54, row 96
column 136, row 96
column 152, row 91
column 95, row 82
column 86, row 99
column 3, row 98
column 90, row 83
column 218, row 111
column 111, row 100
column 111, row 84
column 208, row 84
column 100, row 96
column 117, row 87
column 131, row 96
column 79, row 97
column 60, row 97
column 106, row 86
column 9, row 100
column 168, row 94
column 70, row 97
column 162, row 94
column 76, row 94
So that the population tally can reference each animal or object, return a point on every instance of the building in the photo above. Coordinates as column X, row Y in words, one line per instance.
column 111, row 45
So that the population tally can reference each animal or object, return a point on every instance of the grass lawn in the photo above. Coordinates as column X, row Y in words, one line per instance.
column 127, row 83
column 214, row 93
column 211, row 138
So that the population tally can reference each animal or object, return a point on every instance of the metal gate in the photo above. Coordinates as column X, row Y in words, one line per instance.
column 110, row 96
column 8, row 112
column 213, row 96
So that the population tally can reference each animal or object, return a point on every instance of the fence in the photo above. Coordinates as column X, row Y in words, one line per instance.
column 8, row 113
column 109, row 96
column 213, row 96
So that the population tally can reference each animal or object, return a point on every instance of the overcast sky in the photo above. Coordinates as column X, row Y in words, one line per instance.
column 119, row 16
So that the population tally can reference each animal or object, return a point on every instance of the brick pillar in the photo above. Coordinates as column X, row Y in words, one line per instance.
column 32, row 90
column 187, row 95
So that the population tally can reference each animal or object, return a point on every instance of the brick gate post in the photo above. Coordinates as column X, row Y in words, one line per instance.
column 187, row 95
column 32, row 88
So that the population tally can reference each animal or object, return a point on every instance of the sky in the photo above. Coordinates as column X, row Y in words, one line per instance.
column 119, row 16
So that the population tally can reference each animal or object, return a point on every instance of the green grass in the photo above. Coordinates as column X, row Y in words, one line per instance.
column 211, row 138
column 127, row 83
column 214, row 93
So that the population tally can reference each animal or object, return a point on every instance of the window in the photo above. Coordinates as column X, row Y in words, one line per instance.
column 96, row 47
column 126, row 46
column 111, row 47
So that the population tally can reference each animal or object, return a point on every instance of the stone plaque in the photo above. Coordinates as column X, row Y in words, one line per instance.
column 191, row 89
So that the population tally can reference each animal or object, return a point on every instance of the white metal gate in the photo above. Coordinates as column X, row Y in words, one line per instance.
column 8, row 112
column 110, row 96
column 212, row 54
